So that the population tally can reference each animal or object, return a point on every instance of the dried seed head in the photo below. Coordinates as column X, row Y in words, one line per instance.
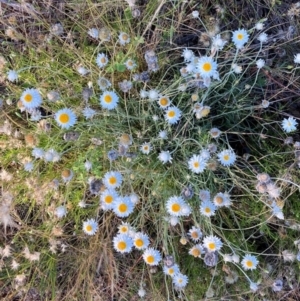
column 263, row 177
column 30, row 140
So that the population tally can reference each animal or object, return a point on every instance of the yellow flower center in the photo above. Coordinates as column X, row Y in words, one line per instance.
column 28, row 97
column 219, row 200
column 124, row 229
column 139, row 242
column 205, row 112
column 66, row 173
column 130, row 63
column 176, row 207
column 171, row 114
column 195, row 252
column 194, row 235
column 112, row 180
column 207, row 210
column 212, row 246
column 125, row 37
column 103, row 60
column 88, row 228
column 163, row 101
column 171, row 271
column 207, row 67
column 150, row 259
column 123, row 208
column 121, row 245
column 249, row 263
column 240, row 36
column 195, row 97
column 196, row 164
column 107, row 98
column 108, row 199
column 226, row 157
column 64, row 118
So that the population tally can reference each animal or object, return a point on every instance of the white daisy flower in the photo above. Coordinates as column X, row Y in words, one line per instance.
column 249, row 262
column 124, row 38
column 289, row 124
column 197, row 164
column 146, row 148
column 207, row 208
column 195, row 234
column 102, row 60
column 180, row 281
column 172, row 115
column 141, row 241
column 65, row 118
column 197, row 250
column 123, row 206
column 165, row 156
column 112, row 179
column 212, row 243
column 130, row 64
column 31, row 98
column 109, row 100
column 206, row 66
column 108, row 198
column 221, row 200
column 240, row 37
column 152, row 256
column 172, row 270
column 176, row 206
column 90, row 226
column 125, row 228
column 227, row 157
column 164, row 102
column 122, row 243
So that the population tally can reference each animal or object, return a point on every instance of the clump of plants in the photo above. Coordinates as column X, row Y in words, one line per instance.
column 134, row 167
